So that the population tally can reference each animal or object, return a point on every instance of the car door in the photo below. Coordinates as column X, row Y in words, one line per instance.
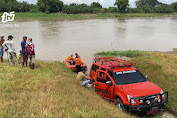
column 109, row 88
column 93, row 70
column 104, row 90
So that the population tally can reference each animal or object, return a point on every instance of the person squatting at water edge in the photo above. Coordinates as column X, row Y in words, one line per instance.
column 82, row 78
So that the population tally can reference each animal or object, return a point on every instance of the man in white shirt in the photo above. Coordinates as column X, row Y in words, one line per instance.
column 10, row 48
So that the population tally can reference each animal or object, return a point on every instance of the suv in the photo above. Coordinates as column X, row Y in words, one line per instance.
column 115, row 79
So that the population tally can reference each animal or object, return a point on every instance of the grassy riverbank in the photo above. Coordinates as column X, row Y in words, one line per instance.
column 49, row 91
column 161, row 69
column 60, row 16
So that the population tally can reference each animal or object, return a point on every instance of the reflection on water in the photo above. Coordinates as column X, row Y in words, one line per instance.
column 55, row 40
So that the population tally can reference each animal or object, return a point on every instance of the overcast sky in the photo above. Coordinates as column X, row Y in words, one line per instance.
column 104, row 3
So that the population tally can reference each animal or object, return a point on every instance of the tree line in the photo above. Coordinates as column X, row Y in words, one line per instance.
column 54, row 6
column 14, row 5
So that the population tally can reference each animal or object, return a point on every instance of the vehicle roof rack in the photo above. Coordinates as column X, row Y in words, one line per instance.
column 114, row 62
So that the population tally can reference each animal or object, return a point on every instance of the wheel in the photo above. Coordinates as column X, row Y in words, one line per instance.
column 161, row 112
column 120, row 105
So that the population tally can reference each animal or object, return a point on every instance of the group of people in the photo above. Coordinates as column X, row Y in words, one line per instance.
column 77, row 61
column 27, row 51
column 81, row 71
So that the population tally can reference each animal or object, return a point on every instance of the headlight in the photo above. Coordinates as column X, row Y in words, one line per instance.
column 161, row 92
column 132, row 100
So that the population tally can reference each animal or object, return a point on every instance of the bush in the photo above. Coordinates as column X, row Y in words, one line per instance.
column 34, row 10
column 135, row 10
column 104, row 10
column 112, row 9
column 96, row 10
column 76, row 9
column 164, row 9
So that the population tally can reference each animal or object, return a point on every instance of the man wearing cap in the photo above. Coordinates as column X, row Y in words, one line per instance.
column 82, row 78
column 24, row 55
column 1, row 47
column 9, row 44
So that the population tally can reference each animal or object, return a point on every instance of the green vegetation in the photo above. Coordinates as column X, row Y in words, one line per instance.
column 76, row 9
column 174, row 6
column 151, row 6
column 96, row 5
column 55, row 6
column 50, row 6
column 14, row 5
column 122, row 5
column 61, row 16
column 49, row 91
column 161, row 69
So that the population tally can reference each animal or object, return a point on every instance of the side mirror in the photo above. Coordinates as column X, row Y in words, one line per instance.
column 109, row 83
column 146, row 77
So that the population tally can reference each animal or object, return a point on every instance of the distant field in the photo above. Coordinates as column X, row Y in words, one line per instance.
column 161, row 69
column 61, row 16
column 49, row 91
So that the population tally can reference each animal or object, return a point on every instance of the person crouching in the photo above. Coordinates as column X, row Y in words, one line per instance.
column 82, row 78
column 30, row 52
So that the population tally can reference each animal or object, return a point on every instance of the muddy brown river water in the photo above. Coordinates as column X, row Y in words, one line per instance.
column 55, row 40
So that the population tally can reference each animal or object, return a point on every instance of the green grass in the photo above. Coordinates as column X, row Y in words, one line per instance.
column 49, row 91
column 61, row 16
column 161, row 69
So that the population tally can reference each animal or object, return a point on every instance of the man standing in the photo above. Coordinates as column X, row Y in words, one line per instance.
column 78, row 63
column 1, row 47
column 30, row 52
column 10, row 48
column 24, row 55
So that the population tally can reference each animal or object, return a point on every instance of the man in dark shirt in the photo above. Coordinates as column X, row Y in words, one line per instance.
column 24, row 55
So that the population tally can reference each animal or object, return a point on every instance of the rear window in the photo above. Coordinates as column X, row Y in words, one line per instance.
column 95, row 67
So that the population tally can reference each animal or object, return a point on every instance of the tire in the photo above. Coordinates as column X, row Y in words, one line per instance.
column 161, row 112
column 120, row 105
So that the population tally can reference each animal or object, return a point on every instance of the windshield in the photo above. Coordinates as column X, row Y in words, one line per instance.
column 128, row 77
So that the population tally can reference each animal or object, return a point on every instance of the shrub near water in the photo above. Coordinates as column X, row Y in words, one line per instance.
column 49, row 91
column 161, row 69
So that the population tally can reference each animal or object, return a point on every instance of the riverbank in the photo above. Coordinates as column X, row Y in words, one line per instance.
column 49, row 91
column 161, row 69
column 61, row 16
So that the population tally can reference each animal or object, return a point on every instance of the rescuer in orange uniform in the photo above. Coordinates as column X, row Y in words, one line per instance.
column 78, row 63
column 70, row 59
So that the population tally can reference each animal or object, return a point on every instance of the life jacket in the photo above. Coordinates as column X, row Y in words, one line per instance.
column 78, row 61
column 69, row 58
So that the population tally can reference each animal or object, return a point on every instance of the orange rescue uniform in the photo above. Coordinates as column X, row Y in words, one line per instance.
column 78, row 61
column 69, row 58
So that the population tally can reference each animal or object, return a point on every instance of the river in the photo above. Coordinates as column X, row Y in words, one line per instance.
column 55, row 40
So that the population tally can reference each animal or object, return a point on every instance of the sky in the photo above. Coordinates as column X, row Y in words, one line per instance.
column 104, row 3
